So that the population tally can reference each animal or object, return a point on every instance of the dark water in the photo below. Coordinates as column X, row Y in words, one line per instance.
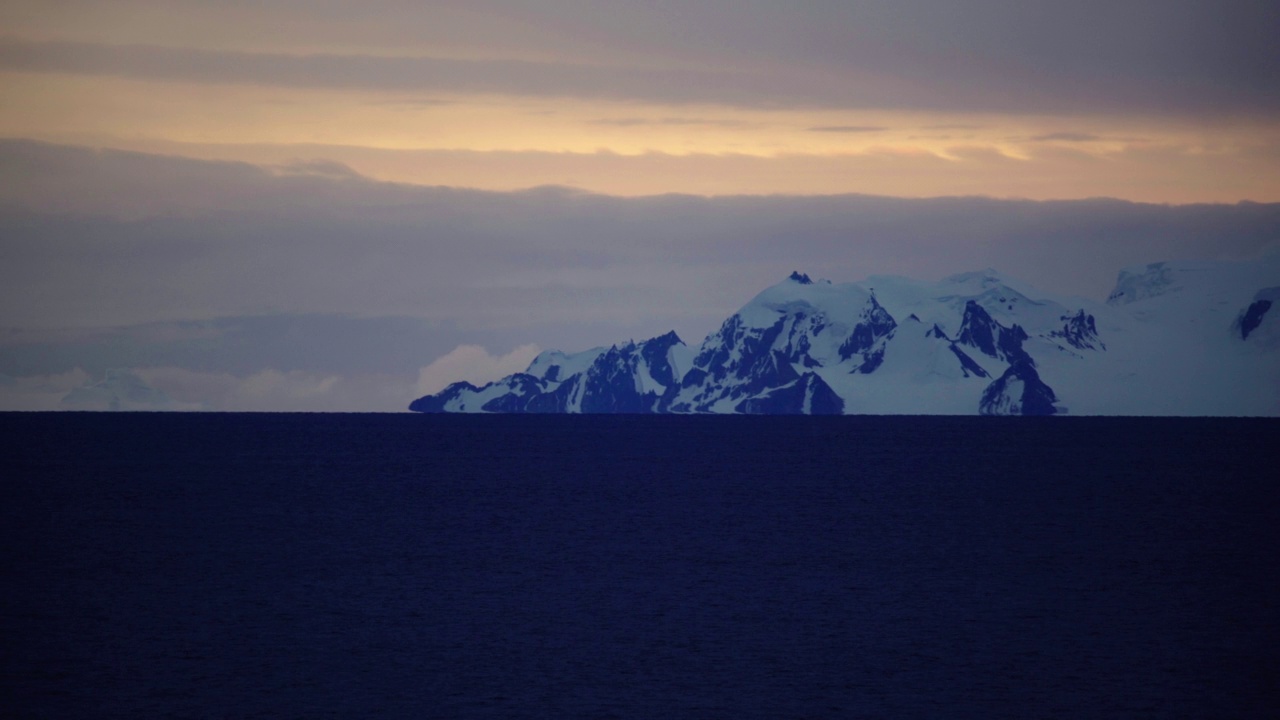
column 647, row 567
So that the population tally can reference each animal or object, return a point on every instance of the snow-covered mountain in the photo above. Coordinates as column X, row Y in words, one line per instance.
column 1172, row 339
column 630, row 378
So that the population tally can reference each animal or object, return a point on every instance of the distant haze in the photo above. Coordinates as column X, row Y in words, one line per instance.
column 236, row 287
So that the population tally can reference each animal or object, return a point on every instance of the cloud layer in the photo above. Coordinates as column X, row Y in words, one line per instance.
column 1179, row 56
column 246, row 288
column 1168, row 101
column 473, row 364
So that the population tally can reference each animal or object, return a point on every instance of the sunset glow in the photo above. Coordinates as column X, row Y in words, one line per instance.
column 624, row 103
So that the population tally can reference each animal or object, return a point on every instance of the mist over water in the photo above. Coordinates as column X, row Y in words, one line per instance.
column 637, row 566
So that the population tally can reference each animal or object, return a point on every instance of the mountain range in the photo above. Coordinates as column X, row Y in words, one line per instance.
column 1189, row 338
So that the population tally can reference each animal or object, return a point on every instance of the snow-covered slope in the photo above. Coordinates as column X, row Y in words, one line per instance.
column 629, row 378
column 783, row 337
column 1173, row 338
column 1175, row 345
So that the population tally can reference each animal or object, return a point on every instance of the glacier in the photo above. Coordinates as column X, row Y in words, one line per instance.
column 1172, row 338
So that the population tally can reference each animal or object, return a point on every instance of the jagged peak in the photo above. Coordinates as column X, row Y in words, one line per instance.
column 799, row 277
column 668, row 338
column 984, row 333
column 973, row 311
column 874, row 311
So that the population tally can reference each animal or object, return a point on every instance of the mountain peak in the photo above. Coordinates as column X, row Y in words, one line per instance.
column 980, row 331
column 670, row 338
column 970, row 343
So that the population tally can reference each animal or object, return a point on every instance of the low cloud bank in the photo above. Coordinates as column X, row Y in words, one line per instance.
column 240, row 288
column 473, row 364
column 41, row 392
column 274, row 390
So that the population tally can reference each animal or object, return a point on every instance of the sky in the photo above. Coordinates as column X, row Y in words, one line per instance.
column 322, row 205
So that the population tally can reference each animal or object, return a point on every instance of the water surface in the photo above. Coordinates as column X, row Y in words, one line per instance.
column 639, row 566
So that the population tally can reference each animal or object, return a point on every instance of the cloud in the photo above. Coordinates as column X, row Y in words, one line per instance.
column 240, row 345
column 410, row 102
column 1066, row 137
column 272, row 390
column 135, row 185
column 39, row 392
column 321, row 167
column 231, row 240
column 246, row 289
column 635, row 121
column 623, row 122
column 473, row 364
column 121, row 390
column 294, row 384
column 848, row 128
column 1175, row 56
column 402, row 74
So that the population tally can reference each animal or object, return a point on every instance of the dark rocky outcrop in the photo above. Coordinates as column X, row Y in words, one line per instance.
column 807, row 395
column 1251, row 318
column 981, row 332
column 1079, row 331
column 1019, row 391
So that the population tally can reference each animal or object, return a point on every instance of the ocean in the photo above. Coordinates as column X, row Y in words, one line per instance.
column 296, row 565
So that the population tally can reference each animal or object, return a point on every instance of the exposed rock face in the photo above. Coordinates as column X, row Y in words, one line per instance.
column 1079, row 331
column 808, row 395
column 788, row 331
column 1019, row 391
column 629, row 378
column 968, row 366
column 742, row 361
column 868, row 336
column 1252, row 317
column 980, row 332
column 612, row 385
